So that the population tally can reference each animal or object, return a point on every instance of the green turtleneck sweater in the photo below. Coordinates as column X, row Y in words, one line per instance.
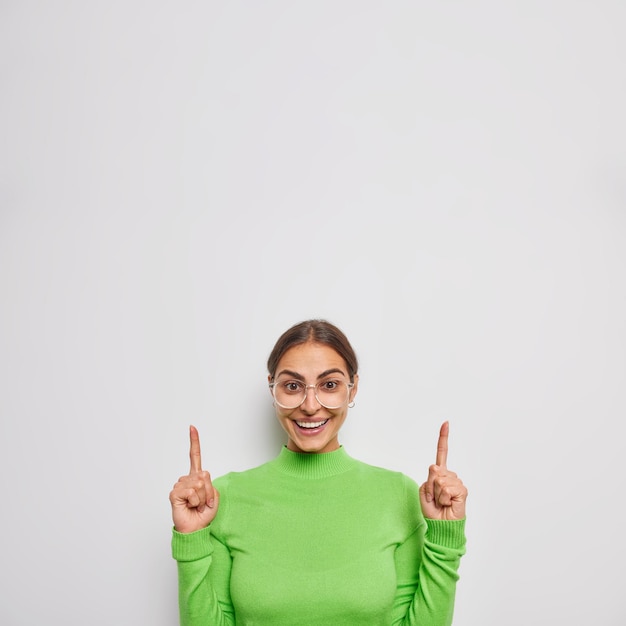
column 318, row 540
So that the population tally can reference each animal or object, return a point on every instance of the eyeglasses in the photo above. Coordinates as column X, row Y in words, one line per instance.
column 330, row 393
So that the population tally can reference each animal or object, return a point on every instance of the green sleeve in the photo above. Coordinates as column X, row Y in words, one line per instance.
column 204, row 565
column 427, row 564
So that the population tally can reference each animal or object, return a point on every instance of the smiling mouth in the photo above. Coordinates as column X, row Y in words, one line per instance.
column 312, row 425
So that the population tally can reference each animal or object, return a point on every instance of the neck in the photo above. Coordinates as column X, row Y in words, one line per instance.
column 316, row 465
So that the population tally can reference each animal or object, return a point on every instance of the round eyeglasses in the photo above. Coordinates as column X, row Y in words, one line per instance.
column 331, row 394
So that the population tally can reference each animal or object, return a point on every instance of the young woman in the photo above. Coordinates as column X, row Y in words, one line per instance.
column 315, row 537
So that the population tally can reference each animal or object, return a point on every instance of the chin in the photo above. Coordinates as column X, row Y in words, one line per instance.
column 314, row 446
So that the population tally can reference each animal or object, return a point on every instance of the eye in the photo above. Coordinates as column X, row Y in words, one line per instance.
column 330, row 385
column 292, row 386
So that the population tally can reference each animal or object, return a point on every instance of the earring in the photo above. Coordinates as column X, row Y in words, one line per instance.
column 351, row 404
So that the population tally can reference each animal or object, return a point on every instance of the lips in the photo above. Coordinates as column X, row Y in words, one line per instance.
column 311, row 425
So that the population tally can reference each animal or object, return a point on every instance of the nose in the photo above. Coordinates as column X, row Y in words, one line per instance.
column 310, row 404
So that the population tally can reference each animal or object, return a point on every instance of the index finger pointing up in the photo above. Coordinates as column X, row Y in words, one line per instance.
column 194, row 450
column 442, row 445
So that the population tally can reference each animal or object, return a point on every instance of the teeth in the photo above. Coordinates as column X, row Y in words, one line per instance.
column 311, row 424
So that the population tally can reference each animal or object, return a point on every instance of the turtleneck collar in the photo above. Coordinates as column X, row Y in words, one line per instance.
column 313, row 465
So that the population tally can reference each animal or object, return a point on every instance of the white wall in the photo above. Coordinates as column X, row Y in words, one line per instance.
column 179, row 182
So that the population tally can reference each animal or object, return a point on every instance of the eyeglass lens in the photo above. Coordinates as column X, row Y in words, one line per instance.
column 290, row 394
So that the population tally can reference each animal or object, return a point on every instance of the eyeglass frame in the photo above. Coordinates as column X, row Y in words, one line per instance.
column 306, row 390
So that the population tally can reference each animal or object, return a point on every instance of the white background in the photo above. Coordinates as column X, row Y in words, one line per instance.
column 180, row 182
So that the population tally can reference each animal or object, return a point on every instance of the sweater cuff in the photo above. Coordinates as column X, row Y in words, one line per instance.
column 447, row 533
column 192, row 546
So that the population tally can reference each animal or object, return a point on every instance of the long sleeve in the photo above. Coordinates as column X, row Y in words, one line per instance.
column 427, row 564
column 315, row 540
column 204, row 565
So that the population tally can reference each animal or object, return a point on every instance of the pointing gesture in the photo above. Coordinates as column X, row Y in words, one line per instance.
column 195, row 457
column 443, row 494
column 194, row 500
column 442, row 445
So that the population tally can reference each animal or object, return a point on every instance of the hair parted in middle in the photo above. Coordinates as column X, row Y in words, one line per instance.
column 314, row 331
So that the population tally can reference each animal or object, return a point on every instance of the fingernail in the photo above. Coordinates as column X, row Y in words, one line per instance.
column 429, row 496
column 211, row 503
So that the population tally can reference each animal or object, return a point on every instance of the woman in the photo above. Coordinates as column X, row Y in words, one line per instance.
column 315, row 537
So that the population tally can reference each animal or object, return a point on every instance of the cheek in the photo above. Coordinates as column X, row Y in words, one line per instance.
column 284, row 424
column 282, row 415
column 340, row 416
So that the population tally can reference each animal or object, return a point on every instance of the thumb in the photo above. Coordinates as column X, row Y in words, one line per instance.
column 427, row 491
column 214, row 502
column 429, row 485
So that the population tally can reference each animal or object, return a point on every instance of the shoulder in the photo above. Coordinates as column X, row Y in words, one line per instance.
column 396, row 494
column 243, row 477
column 386, row 477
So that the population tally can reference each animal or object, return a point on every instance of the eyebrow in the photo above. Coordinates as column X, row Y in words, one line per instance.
column 297, row 376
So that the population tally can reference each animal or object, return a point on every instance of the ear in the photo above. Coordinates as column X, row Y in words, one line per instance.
column 354, row 388
column 269, row 380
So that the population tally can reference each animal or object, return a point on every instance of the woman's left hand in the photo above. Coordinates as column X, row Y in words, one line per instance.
column 443, row 494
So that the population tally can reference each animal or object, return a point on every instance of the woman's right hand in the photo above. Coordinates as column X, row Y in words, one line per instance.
column 194, row 499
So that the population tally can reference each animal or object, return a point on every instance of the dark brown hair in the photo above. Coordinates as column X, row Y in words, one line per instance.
column 315, row 331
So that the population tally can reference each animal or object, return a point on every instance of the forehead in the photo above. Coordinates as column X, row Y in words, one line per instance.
column 311, row 358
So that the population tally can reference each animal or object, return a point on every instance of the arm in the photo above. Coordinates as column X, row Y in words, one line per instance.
column 204, row 562
column 427, row 564
column 204, row 565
